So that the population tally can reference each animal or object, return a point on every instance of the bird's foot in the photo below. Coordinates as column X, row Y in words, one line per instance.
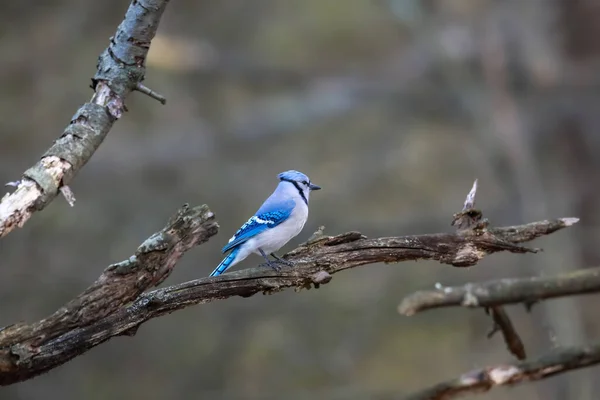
column 271, row 264
column 281, row 261
column 276, row 263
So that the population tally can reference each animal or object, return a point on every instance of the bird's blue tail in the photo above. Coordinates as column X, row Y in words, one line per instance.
column 222, row 267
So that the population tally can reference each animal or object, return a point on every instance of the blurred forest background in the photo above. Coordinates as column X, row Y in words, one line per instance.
column 393, row 106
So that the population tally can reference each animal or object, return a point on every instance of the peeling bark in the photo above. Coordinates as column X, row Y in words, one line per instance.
column 121, row 69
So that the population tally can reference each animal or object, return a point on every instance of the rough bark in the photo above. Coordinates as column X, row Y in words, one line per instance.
column 27, row 350
column 120, row 70
column 91, row 319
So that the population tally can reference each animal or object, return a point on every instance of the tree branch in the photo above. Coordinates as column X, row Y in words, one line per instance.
column 121, row 68
column 471, row 220
column 28, row 350
column 40, row 348
column 504, row 325
column 482, row 380
column 504, row 291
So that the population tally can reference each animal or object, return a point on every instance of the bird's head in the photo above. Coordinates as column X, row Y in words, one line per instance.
column 300, row 181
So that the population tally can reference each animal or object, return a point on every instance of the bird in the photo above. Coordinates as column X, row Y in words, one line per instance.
column 280, row 218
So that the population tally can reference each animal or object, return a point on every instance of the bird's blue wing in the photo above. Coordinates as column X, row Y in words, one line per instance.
column 263, row 220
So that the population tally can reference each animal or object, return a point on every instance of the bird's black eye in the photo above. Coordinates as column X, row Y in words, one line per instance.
column 305, row 183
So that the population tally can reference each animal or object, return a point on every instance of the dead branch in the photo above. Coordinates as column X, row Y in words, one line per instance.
column 471, row 219
column 482, row 380
column 28, row 350
column 504, row 325
column 121, row 68
column 504, row 291
column 22, row 346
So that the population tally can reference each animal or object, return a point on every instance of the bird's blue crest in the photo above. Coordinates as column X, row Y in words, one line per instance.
column 292, row 175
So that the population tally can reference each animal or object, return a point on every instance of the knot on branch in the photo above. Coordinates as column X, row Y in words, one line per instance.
column 493, row 376
column 320, row 278
column 467, row 255
column 470, row 299
column 317, row 279
column 469, row 219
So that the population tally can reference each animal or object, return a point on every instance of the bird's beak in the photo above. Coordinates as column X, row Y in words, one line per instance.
column 314, row 187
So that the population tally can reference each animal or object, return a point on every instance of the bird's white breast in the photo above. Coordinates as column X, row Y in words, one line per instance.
column 275, row 238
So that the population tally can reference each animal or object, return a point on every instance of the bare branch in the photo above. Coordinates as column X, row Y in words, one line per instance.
column 482, row 380
column 525, row 233
column 151, row 93
column 503, row 324
column 22, row 346
column 28, row 350
column 504, row 291
column 121, row 68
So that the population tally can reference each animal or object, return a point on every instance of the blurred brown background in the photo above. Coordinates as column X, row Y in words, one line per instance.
column 393, row 106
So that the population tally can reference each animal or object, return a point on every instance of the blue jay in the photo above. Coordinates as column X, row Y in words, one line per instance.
column 277, row 221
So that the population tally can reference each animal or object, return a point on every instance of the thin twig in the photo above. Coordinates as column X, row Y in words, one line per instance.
column 149, row 92
column 503, row 324
column 68, row 194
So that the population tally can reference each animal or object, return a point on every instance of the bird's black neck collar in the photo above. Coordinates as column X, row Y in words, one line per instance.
column 297, row 186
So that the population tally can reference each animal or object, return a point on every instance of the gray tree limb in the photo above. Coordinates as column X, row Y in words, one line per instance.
column 481, row 380
column 504, row 291
column 504, row 325
column 96, row 315
column 120, row 70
